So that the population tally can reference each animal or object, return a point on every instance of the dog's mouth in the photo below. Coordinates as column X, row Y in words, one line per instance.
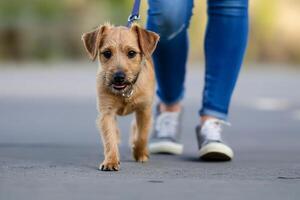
column 119, row 86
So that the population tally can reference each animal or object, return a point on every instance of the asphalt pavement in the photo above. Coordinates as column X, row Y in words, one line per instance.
column 50, row 147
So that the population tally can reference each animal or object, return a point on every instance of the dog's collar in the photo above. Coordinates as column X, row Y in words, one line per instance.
column 129, row 92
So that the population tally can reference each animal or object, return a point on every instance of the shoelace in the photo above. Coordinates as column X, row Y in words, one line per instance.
column 166, row 124
column 212, row 129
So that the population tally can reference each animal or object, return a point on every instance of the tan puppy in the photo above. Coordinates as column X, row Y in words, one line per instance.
column 125, row 84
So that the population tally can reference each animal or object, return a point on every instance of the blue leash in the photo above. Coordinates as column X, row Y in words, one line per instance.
column 134, row 13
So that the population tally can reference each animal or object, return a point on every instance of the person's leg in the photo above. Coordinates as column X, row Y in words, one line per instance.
column 170, row 19
column 225, row 43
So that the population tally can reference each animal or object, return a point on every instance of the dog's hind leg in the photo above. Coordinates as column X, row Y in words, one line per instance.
column 140, row 134
column 110, row 139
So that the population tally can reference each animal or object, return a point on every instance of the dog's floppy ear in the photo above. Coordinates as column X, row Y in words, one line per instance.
column 92, row 41
column 147, row 39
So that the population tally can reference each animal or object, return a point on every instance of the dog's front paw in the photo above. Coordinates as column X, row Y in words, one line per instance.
column 140, row 156
column 109, row 166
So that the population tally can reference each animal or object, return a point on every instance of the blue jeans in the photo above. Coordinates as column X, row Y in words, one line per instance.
column 225, row 43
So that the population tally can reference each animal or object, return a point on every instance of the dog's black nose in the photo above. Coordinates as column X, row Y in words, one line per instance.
column 119, row 77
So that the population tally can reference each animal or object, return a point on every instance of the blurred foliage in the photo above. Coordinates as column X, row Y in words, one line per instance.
column 51, row 29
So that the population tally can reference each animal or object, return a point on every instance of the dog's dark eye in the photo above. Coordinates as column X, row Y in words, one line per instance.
column 131, row 54
column 107, row 54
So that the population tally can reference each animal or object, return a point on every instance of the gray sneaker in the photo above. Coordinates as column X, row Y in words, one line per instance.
column 166, row 133
column 211, row 146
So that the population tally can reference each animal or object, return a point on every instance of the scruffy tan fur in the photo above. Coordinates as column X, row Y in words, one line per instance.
column 137, row 97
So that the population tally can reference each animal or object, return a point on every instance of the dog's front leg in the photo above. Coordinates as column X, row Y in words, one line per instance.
column 140, row 134
column 110, row 139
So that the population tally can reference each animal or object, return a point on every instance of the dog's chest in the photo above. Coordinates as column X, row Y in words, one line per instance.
column 127, row 108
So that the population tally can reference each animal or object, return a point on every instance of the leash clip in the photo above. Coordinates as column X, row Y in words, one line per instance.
column 134, row 13
column 133, row 18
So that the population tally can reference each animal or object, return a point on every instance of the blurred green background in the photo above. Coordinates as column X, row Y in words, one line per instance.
column 47, row 30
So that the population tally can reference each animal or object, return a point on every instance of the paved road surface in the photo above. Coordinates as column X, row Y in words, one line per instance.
column 50, row 148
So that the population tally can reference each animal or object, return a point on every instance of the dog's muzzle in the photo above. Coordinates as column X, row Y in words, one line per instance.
column 120, row 84
column 119, row 80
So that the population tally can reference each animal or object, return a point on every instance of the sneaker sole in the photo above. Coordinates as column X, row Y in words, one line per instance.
column 166, row 147
column 216, row 152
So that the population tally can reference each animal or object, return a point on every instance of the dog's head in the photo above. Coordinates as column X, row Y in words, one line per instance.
column 121, row 51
